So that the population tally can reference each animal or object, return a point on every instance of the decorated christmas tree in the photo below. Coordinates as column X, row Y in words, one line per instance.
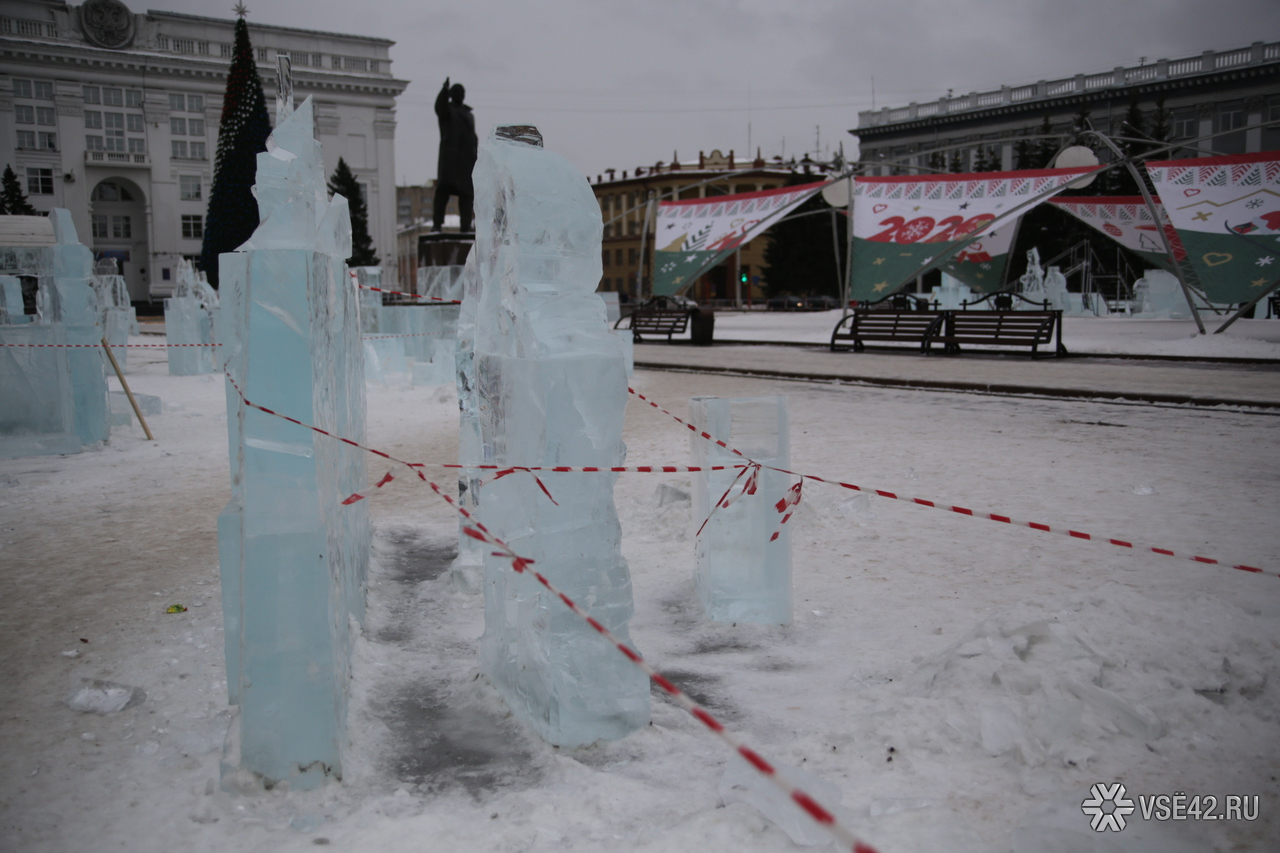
column 12, row 199
column 233, row 212
column 343, row 182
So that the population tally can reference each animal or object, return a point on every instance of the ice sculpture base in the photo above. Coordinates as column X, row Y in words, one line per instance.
column 742, row 575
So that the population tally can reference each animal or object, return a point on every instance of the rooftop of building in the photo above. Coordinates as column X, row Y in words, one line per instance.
column 1207, row 62
column 711, row 164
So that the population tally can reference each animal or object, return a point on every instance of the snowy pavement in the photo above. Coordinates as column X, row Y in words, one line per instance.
column 964, row 683
column 1082, row 335
column 1197, row 383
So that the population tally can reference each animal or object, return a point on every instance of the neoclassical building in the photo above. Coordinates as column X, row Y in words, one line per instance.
column 113, row 114
column 1232, row 97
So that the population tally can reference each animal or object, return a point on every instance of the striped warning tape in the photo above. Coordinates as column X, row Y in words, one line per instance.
column 356, row 280
column 519, row 564
column 113, row 346
column 959, row 510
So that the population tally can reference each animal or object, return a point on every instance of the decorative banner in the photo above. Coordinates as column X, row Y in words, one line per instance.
column 1127, row 220
column 697, row 234
column 901, row 223
column 1227, row 213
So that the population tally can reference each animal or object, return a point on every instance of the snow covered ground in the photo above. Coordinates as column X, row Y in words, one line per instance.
column 1093, row 335
column 963, row 682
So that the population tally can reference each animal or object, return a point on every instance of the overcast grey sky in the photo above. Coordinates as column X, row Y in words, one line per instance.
column 622, row 83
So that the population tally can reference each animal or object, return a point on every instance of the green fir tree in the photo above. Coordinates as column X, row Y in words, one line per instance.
column 1047, row 145
column 12, row 199
column 232, row 215
column 344, row 183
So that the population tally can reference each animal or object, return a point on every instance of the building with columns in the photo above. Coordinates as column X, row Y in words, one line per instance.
column 113, row 114
column 1234, row 93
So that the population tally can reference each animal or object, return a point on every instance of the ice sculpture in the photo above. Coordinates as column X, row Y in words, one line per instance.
column 69, row 301
column 952, row 292
column 119, row 319
column 742, row 575
column 468, row 569
column 53, row 398
column 188, row 325
column 293, row 558
column 1158, row 295
column 12, row 310
column 550, row 390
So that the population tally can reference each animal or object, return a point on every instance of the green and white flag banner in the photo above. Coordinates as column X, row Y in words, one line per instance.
column 1227, row 214
column 693, row 236
column 1127, row 220
column 901, row 223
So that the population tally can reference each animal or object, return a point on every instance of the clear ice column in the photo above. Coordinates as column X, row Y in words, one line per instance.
column 293, row 558
column 551, row 389
column 77, row 311
column 742, row 576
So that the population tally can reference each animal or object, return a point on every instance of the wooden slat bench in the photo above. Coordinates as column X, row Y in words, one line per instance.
column 887, row 326
column 648, row 322
column 1024, row 329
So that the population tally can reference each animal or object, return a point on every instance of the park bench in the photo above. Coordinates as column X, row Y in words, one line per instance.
column 650, row 321
column 1024, row 329
column 886, row 325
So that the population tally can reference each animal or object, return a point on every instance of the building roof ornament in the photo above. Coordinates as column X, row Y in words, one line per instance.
column 107, row 23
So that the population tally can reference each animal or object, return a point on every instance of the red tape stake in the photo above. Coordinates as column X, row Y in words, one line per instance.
column 959, row 510
column 520, row 564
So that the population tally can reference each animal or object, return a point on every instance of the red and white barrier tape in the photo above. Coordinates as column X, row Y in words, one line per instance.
column 520, row 564
column 990, row 516
column 113, row 346
column 356, row 280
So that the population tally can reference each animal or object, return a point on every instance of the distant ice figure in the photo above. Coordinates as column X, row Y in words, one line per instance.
column 742, row 575
column 188, row 324
column 952, row 292
column 1158, row 295
column 551, row 389
column 293, row 557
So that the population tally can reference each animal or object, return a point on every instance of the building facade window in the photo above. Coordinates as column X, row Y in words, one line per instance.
column 133, row 97
column 92, row 119
column 47, row 141
column 177, row 126
column 113, row 130
column 112, row 97
column 22, row 88
column 24, row 114
column 45, row 116
column 134, row 123
column 42, row 90
column 137, row 146
column 101, row 226
column 26, row 139
column 178, row 149
column 192, row 226
column 92, row 95
column 121, row 226
column 189, row 187
column 39, row 181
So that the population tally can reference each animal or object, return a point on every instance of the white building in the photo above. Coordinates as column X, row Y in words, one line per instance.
column 114, row 115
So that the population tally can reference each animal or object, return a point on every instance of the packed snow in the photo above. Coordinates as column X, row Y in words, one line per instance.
column 960, row 683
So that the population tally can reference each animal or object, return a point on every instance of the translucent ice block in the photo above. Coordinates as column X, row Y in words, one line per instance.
column 742, row 576
column 74, row 305
column 36, row 414
column 188, row 329
column 550, row 386
column 293, row 558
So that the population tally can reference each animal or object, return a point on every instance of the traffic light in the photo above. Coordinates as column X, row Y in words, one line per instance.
column 742, row 277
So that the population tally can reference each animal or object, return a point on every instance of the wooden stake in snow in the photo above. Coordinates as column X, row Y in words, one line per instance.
column 125, row 385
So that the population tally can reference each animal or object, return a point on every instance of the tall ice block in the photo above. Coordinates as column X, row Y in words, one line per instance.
column 188, row 325
column 293, row 558
column 742, row 575
column 551, row 389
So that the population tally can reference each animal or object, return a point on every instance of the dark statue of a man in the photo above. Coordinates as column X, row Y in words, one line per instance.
column 458, row 144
